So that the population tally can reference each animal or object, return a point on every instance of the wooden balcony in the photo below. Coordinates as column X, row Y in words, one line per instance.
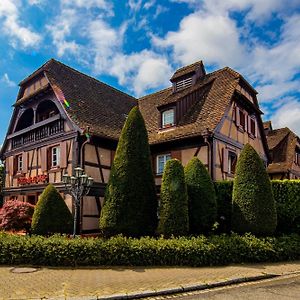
column 38, row 133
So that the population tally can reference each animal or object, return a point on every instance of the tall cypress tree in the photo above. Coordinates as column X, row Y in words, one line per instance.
column 130, row 205
column 173, row 210
column 202, row 197
column 253, row 205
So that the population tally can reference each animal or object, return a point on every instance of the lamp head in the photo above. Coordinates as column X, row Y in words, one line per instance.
column 78, row 171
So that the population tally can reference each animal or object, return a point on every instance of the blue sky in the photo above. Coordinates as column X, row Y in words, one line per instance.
column 136, row 45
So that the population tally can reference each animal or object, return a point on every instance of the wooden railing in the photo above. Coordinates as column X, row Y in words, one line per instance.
column 38, row 134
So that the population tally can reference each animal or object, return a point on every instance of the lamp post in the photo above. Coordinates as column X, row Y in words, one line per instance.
column 78, row 186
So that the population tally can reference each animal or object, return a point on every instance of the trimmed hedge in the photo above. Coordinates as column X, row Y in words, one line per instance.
column 195, row 251
column 202, row 197
column 51, row 214
column 287, row 197
column 224, row 204
column 130, row 205
column 253, row 205
column 173, row 208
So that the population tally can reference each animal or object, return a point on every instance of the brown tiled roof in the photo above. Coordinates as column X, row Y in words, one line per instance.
column 187, row 70
column 92, row 103
column 205, row 114
column 282, row 142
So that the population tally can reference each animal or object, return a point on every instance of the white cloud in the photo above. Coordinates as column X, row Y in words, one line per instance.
column 141, row 71
column 7, row 81
column 214, row 38
column 61, row 28
column 88, row 4
column 135, row 5
column 35, row 2
column 12, row 27
column 105, row 42
column 288, row 115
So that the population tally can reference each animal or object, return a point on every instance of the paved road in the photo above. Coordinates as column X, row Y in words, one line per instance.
column 283, row 288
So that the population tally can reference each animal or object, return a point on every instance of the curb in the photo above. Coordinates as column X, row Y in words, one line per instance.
column 184, row 289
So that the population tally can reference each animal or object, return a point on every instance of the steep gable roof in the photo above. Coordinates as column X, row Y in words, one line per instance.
column 216, row 90
column 91, row 102
column 282, row 142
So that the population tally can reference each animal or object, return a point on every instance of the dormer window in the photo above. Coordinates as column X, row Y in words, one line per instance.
column 168, row 118
column 184, row 83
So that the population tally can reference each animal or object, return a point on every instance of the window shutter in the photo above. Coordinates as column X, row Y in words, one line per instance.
column 10, row 165
column 237, row 116
column 255, row 128
column 44, row 159
column 225, row 160
column 15, row 165
column 25, row 162
column 112, row 156
column 249, row 124
column 176, row 154
column 63, row 155
column 246, row 121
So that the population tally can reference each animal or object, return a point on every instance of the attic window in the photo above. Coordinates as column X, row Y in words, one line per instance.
column 184, row 83
column 168, row 118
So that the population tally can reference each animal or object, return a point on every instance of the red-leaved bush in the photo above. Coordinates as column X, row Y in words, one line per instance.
column 16, row 215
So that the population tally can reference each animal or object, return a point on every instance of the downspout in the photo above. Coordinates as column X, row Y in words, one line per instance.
column 210, row 157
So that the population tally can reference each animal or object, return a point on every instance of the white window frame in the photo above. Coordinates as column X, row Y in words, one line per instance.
column 230, row 155
column 20, row 163
column 165, row 158
column 55, row 157
column 165, row 116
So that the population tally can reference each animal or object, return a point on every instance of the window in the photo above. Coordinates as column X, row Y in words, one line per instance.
column 55, row 157
column 242, row 117
column 252, row 127
column 19, row 163
column 232, row 160
column 168, row 118
column 161, row 161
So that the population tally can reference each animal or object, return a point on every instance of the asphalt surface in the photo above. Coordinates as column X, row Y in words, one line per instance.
column 281, row 288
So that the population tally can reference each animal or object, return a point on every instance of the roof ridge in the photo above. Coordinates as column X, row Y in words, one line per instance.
column 90, row 77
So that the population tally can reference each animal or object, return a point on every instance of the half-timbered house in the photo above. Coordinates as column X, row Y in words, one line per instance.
column 210, row 116
column 284, row 146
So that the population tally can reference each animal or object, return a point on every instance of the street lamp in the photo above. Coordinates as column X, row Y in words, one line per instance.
column 78, row 186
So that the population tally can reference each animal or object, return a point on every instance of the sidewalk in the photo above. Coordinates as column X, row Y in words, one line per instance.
column 102, row 283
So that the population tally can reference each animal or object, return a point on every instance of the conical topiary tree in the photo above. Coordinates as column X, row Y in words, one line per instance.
column 173, row 209
column 130, row 205
column 51, row 214
column 253, row 205
column 202, row 197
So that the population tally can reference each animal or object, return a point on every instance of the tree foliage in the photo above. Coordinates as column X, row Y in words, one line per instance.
column 202, row 197
column 253, row 208
column 51, row 214
column 130, row 205
column 173, row 209
column 16, row 215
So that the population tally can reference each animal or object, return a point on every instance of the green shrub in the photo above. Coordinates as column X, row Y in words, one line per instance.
column 224, row 204
column 201, row 196
column 196, row 251
column 287, row 197
column 173, row 209
column 130, row 205
column 253, row 205
column 51, row 214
